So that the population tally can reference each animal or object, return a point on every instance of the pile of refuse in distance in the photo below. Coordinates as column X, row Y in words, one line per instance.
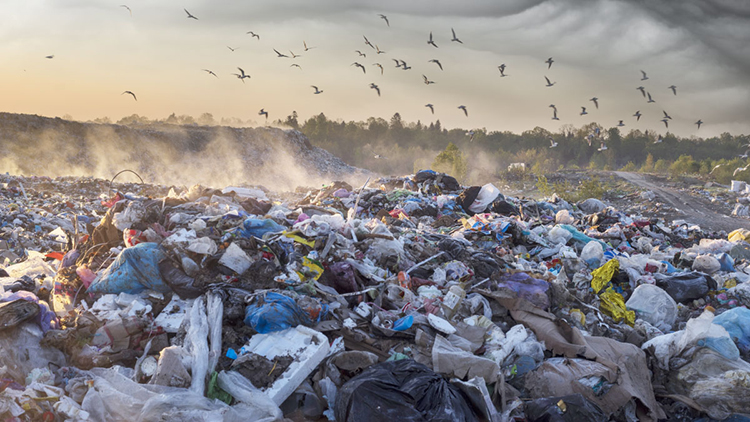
column 410, row 299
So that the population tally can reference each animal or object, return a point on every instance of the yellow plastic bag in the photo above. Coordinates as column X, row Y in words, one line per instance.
column 739, row 235
column 602, row 275
column 613, row 304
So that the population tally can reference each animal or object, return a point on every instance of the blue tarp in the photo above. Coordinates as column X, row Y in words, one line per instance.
column 136, row 269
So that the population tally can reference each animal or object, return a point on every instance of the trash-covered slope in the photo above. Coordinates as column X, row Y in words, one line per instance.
column 166, row 154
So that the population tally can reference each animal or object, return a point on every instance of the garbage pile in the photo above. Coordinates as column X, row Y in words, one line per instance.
column 409, row 298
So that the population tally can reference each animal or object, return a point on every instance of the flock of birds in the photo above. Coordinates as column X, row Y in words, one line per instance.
column 403, row 65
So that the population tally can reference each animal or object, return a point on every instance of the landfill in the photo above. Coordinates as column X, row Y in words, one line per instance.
column 406, row 298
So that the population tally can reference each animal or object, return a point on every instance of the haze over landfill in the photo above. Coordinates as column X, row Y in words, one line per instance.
column 599, row 48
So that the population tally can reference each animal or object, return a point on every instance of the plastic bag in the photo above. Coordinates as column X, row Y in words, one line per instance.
column 401, row 390
column 564, row 217
column 21, row 352
column 215, row 311
column 593, row 254
column 196, row 344
column 559, row 235
column 263, row 409
column 737, row 323
column 135, row 270
column 706, row 264
column 255, row 227
column 276, row 312
column 485, row 197
column 527, row 287
column 687, row 286
column 653, row 305
column 572, row 408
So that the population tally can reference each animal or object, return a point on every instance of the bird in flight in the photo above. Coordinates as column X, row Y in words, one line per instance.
column 637, row 116
column 317, row 91
column 50, row 57
column 279, row 54
column 380, row 66
column 232, row 48
column 673, row 88
column 583, row 111
column 306, row 47
column 367, row 42
column 740, row 169
column 549, row 84
column 650, row 100
column 554, row 114
column 501, row 68
column 644, row 76
column 378, row 50
column 210, row 72
column 437, row 62
column 404, row 66
column 131, row 93
column 666, row 116
column 253, row 34
column 699, row 123
column 549, row 62
column 361, row 53
column 431, row 107
column 666, row 122
column 471, row 135
column 385, row 18
column 621, row 123
column 455, row 38
column 376, row 88
column 360, row 66
column 125, row 6
column 643, row 91
column 552, row 143
column 241, row 76
column 263, row 112
column 296, row 65
column 602, row 147
column 189, row 16
column 553, row 107
column 463, row 107
column 398, row 63
column 431, row 42
column 596, row 102
column 294, row 56
column 427, row 81
column 659, row 140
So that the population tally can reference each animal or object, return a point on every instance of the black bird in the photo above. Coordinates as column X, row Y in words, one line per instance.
column 131, row 12
column 501, row 68
column 253, row 34
column 666, row 116
column 699, row 123
column 375, row 87
column 650, row 100
column 306, row 47
column 189, row 16
column 644, row 76
column 583, row 111
column 263, row 112
column 367, row 42
column 361, row 53
column 360, row 66
column 638, row 115
column 431, row 42
column 643, row 91
column 131, row 93
column 431, row 107
column 398, row 63
column 673, row 88
column 621, row 124
column 232, row 48
column 549, row 84
column 210, row 72
column 296, row 65
column 49, row 57
column 427, row 81
column 553, row 106
column 455, row 38
column 279, row 54
column 404, row 66
column 462, row 107
column 666, row 122
column 437, row 62
column 380, row 66
column 596, row 102
column 549, row 62
column 317, row 91
column 554, row 114
column 385, row 18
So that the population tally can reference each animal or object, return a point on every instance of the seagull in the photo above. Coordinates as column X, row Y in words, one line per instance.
column 745, row 155
column 375, row 87
column 131, row 12
column 455, row 38
column 294, row 56
column 644, row 76
column 367, row 42
column 431, row 107
column 306, row 47
column 659, row 140
column 378, row 50
column 131, row 93
column 596, row 102
column 232, row 48
column 590, row 138
column 49, row 57
column 673, row 88
column 437, row 62
column 209, row 72
column 253, row 34
column 378, row 156
column 549, row 62
column 380, row 66
column 241, row 76
column 296, row 65
column 279, row 54
column 666, row 116
column 404, row 66
column 602, row 147
column 263, row 112
column 549, row 84
column 554, row 114
column 462, row 107
column 360, row 66
column 427, row 81
column 431, row 42
column 583, row 111
column 501, row 68
column 189, row 16
column 716, row 167
column 740, row 169
column 666, row 122
column 699, row 123
column 621, row 124
column 553, row 106
column 317, row 91
column 643, row 91
column 471, row 135
column 361, row 53
column 398, row 63
column 650, row 100
column 638, row 115
column 552, row 143
column 385, row 18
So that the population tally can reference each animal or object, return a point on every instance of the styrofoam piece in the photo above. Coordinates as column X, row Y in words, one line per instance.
column 244, row 193
column 308, row 348
column 171, row 317
column 440, row 324
column 737, row 186
column 235, row 259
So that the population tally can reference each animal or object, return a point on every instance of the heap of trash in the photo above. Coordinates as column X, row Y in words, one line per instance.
column 410, row 299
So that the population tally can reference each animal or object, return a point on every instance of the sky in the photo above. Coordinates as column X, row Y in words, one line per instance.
column 599, row 48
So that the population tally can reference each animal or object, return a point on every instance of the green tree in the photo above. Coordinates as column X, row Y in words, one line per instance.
column 451, row 161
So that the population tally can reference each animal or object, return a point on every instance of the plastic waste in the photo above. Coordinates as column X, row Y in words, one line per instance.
column 653, row 305
column 133, row 271
column 707, row 264
column 527, row 287
column 485, row 197
column 571, row 408
column 737, row 323
column 275, row 312
column 263, row 408
column 593, row 254
column 254, row 227
column 685, row 287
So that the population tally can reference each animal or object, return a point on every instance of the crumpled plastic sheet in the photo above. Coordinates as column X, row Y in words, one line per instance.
column 612, row 303
column 133, row 271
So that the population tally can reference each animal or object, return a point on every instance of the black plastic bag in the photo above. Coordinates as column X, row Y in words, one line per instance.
column 401, row 390
column 467, row 197
column 687, row 286
column 572, row 408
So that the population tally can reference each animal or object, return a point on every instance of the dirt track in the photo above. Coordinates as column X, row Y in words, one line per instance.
column 695, row 211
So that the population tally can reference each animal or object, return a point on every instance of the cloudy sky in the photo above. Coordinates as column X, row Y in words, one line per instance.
column 598, row 47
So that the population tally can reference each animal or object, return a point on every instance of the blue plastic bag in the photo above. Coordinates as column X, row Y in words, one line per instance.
column 136, row 269
column 737, row 323
column 257, row 227
column 581, row 238
column 727, row 263
column 276, row 312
